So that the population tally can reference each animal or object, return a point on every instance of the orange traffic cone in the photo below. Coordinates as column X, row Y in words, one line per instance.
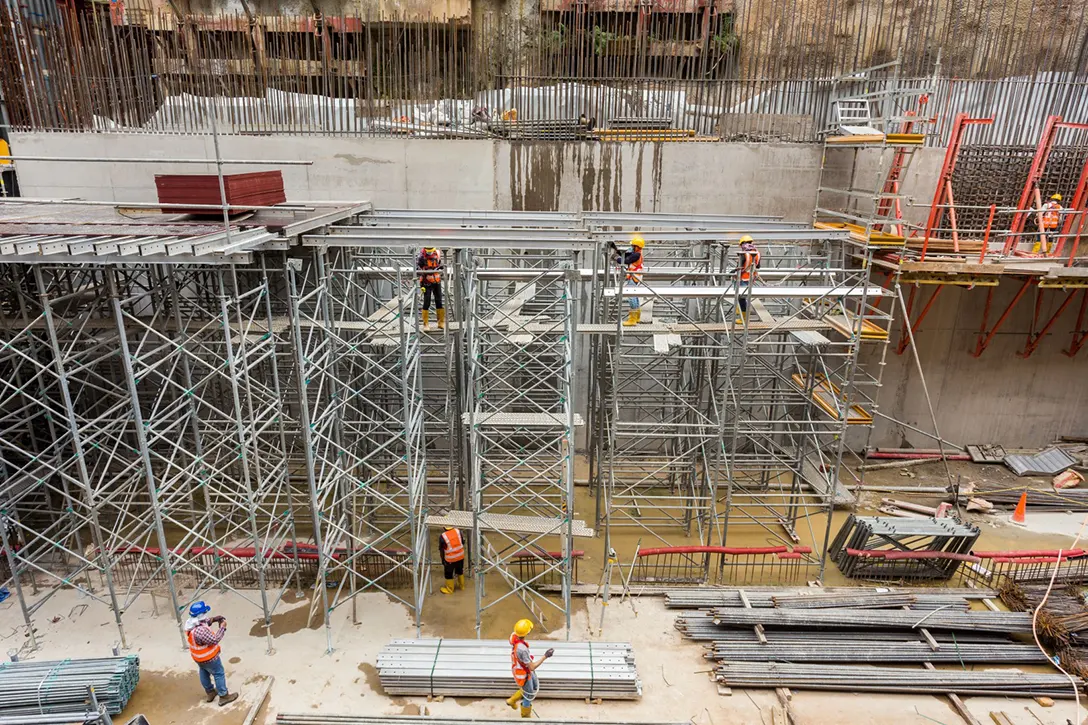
column 1018, row 516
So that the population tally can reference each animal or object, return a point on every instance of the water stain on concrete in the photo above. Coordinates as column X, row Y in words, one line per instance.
column 410, row 709
column 289, row 622
column 173, row 698
column 234, row 660
column 360, row 160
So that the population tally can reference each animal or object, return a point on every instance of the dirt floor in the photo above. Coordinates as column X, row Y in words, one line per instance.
column 676, row 684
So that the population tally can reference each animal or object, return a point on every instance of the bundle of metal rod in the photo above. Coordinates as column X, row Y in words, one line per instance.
column 872, row 547
column 38, row 688
column 1011, row 622
column 762, row 600
column 481, row 668
column 702, row 628
column 1067, row 499
column 997, row 683
column 862, row 650
column 313, row 718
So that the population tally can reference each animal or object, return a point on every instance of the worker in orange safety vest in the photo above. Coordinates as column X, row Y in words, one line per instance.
column 204, row 649
column 428, row 264
column 523, row 667
column 452, row 548
column 631, row 261
column 747, row 272
column 1049, row 218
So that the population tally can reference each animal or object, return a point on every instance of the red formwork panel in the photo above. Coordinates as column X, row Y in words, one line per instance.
column 260, row 188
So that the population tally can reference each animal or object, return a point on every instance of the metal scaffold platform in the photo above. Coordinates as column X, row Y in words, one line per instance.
column 267, row 412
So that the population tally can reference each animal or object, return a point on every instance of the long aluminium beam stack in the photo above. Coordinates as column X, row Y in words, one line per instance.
column 993, row 683
column 481, row 668
column 39, row 688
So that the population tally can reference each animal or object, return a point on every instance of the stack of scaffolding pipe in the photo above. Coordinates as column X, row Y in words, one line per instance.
column 863, row 678
column 39, row 688
column 998, row 622
column 322, row 719
column 863, row 600
column 867, row 651
column 481, row 668
column 700, row 626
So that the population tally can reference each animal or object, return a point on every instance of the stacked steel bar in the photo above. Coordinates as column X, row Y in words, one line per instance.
column 702, row 627
column 861, row 650
column 862, row 600
column 996, row 683
column 319, row 719
column 997, row 622
column 481, row 668
column 36, row 688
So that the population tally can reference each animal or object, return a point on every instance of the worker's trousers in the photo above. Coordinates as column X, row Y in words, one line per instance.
column 213, row 670
column 632, row 302
column 743, row 301
column 432, row 289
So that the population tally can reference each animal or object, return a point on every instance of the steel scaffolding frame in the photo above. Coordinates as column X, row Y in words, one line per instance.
column 358, row 351
column 520, row 349
column 249, row 424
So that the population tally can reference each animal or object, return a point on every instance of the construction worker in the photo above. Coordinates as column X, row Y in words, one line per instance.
column 632, row 263
column 1049, row 218
column 524, row 667
column 452, row 548
column 204, row 648
column 747, row 271
column 429, row 262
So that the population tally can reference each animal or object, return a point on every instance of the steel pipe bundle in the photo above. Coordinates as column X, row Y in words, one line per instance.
column 999, row 622
column 700, row 626
column 310, row 718
column 858, row 651
column 481, row 668
column 764, row 600
column 996, row 683
column 39, row 688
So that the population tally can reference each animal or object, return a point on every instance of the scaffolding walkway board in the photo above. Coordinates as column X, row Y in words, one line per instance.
column 510, row 523
column 521, row 420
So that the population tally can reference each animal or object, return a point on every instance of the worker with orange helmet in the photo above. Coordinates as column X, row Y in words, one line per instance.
column 1048, row 220
column 523, row 667
column 428, row 264
column 631, row 261
column 747, row 271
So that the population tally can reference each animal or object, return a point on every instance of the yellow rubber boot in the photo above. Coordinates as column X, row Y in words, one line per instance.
column 461, row 581
column 441, row 317
column 426, row 318
column 632, row 318
column 740, row 318
column 514, row 699
column 526, row 711
column 448, row 589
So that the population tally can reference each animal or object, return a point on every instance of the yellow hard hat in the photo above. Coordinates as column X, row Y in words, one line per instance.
column 450, row 528
column 747, row 238
column 1056, row 197
column 523, row 627
column 637, row 241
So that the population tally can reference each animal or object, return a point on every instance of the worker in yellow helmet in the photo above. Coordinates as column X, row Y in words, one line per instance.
column 631, row 260
column 1048, row 220
column 524, row 667
column 747, row 271
column 428, row 264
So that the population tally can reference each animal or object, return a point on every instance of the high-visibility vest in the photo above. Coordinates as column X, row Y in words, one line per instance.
column 201, row 652
column 428, row 260
column 1051, row 215
column 749, row 261
column 519, row 670
column 455, row 548
column 634, row 268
